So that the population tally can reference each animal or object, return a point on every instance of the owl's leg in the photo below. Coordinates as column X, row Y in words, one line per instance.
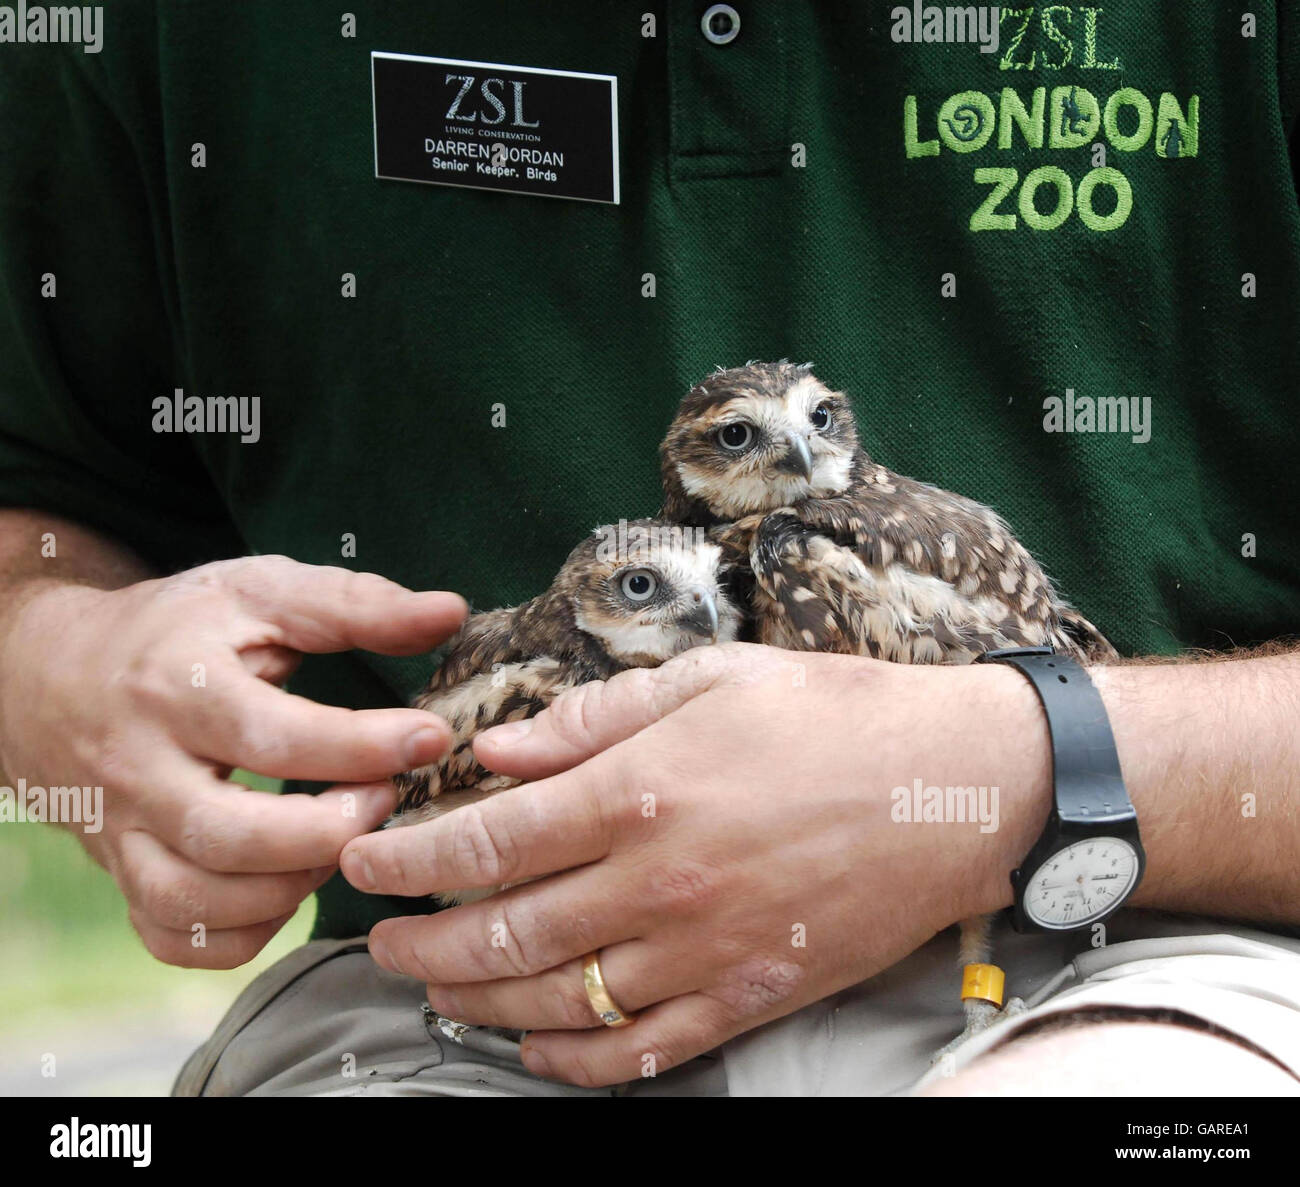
column 812, row 594
column 982, row 984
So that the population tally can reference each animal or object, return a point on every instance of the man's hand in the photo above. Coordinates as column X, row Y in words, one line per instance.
column 722, row 831
column 157, row 690
column 726, row 833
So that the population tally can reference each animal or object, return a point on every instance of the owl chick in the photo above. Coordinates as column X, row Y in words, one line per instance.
column 629, row 596
column 847, row 556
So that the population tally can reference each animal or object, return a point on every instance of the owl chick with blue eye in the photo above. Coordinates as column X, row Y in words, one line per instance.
column 846, row 556
column 629, row 596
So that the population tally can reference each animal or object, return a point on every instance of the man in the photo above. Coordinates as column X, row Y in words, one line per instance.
column 445, row 384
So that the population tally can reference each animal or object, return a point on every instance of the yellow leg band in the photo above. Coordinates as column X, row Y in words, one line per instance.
column 983, row 981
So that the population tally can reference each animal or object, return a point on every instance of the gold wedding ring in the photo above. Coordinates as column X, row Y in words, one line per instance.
column 598, row 994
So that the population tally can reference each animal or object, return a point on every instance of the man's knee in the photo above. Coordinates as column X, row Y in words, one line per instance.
column 1082, row 1055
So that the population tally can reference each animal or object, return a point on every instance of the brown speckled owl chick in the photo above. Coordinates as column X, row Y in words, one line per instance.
column 848, row 556
column 630, row 595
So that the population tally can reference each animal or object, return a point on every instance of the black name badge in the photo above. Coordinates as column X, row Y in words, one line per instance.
column 493, row 127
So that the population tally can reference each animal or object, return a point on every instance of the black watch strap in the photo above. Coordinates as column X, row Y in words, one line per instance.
column 1086, row 774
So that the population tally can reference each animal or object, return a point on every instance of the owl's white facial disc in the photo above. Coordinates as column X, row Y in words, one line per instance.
column 674, row 618
column 754, row 479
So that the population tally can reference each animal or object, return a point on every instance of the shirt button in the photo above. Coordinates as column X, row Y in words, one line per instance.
column 720, row 24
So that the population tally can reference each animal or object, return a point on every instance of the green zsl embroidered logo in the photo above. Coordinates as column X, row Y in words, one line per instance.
column 1062, row 118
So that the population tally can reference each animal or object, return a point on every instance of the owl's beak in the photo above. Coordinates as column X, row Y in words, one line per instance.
column 701, row 614
column 798, row 459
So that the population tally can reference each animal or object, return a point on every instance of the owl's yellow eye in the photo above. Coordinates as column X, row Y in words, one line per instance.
column 735, row 436
column 639, row 585
column 821, row 417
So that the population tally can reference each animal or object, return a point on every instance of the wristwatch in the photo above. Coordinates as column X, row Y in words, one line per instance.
column 1089, row 858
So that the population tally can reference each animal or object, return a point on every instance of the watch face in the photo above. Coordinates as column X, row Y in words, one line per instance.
column 1081, row 883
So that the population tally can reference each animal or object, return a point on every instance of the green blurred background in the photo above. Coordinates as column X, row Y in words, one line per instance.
column 77, row 984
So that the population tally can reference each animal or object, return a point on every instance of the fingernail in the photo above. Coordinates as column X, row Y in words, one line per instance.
column 510, row 734
column 443, row 599
column 356, row 869
column 377, row 801
column 382, row 956
column 424, row 745
column 535, row 1062
column 445, row 1001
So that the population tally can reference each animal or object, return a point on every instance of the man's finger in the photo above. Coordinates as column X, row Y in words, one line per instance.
column 637, row 974
column 662, row 1037
column 221, row 826
column 583, row 721
column 520, row 932
column 237, row 720
column 319, row 608
column 174, row 893
column 202, row 949
column 525, row 832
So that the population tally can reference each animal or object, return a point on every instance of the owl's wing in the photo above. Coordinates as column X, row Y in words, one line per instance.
column 889, row 520
column 892, row 520
column 1083, row 640
column 816, row 594
column 508, row 693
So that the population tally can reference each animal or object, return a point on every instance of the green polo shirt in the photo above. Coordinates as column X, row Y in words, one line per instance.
column 997, row 254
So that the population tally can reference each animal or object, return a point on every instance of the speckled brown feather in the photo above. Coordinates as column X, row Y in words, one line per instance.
column 902, row 570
